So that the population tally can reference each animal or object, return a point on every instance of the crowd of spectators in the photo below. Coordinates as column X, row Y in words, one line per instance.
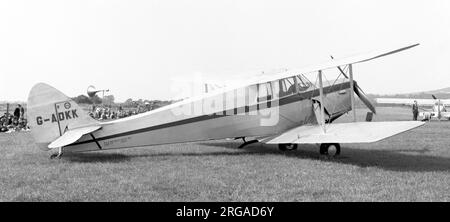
column 109, row 113
column 17, row 121
column 14, row 123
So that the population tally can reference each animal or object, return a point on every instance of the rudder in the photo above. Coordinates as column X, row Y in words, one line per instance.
column 51, row 113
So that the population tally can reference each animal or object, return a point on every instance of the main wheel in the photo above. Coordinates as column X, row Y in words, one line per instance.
column 287, row 146
column 332, row 149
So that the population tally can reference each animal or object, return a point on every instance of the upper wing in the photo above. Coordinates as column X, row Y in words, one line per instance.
column 355, row 132
column 424, row 102
column 362, row 58
column 72, row 136
column 324, row 66
column 334, row 63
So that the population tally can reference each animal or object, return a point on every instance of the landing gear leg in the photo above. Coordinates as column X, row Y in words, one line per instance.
column 247, row 143
column 57, row 155
column 330, row 149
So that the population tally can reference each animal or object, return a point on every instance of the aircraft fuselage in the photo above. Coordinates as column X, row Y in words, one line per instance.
column 251, row 111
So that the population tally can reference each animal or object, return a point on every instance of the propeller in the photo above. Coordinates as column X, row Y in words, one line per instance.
column 363, row 97
column 359, row 92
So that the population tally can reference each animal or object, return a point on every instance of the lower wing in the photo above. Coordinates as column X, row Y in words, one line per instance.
column 355, row 132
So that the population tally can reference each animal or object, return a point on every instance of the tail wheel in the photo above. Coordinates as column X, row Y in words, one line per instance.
column 287, row 146
column 331, row 149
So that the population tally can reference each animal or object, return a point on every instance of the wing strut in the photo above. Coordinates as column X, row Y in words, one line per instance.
column 352, row 93
column 322, row 103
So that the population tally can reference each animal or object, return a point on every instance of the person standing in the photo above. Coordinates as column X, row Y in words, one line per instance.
column 17, row 111
column 22, row 112
column 415, row 109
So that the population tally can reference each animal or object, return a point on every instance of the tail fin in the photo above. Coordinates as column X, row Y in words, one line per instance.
column 51, row 114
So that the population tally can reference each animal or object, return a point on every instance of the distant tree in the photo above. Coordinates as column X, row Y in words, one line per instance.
column 144, row 104
column 82, row 99
column 140, row 102
column 128, row 103
column 96, row 100
column 108, row 100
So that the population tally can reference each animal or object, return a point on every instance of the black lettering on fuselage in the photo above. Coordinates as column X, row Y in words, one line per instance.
column 39, row 120
column 54, row 118
column 61, row 116
column 74, row 113
column 67, row 115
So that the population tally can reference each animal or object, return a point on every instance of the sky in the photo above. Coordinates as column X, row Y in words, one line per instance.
column 137, row 48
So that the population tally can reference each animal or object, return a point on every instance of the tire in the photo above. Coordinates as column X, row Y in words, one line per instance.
column 287, row 146
column 324, row 148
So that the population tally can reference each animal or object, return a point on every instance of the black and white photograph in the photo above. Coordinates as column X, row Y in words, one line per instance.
column 224, row 101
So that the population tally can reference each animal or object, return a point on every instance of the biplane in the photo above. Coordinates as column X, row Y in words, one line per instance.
column 284, row 108
column 435, row 108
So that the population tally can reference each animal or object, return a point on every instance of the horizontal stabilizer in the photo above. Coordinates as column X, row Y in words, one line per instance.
column 355, row 132
column 72, row 136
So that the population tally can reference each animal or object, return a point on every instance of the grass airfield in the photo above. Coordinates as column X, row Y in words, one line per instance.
column 413, row 166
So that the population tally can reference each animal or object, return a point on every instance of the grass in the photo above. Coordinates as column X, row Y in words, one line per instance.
column 413, row 166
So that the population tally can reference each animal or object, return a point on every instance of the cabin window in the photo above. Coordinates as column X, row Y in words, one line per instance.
column 302, row 83
column 252, row 95
column 264, row 92
column 287, row 86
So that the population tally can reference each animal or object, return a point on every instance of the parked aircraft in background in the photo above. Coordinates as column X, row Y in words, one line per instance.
column 436, row 107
